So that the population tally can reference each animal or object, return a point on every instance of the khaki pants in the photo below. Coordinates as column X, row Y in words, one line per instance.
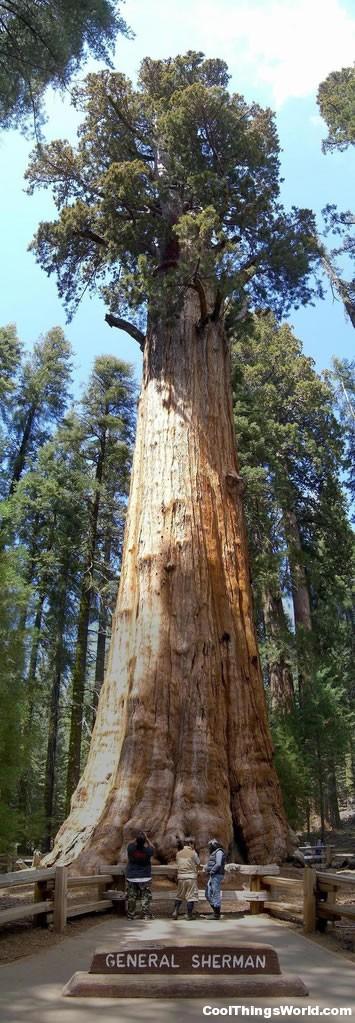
column 187, row 889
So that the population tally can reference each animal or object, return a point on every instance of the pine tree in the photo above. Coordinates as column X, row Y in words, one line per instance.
column 41, row 398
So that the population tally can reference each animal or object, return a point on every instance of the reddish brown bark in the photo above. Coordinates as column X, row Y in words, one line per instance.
column 181, row 741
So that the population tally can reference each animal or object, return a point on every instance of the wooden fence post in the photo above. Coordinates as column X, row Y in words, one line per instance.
column 60, row 899
column 255, row 886
column 309, row 900
column 40, row 894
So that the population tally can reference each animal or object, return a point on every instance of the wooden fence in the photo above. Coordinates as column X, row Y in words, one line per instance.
column 55, row 894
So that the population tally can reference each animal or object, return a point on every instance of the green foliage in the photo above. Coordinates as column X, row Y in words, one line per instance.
column 292, row 768
column 336, row 101
column 10, row 355
column 341, row 378
column 44, row 42
column 176, row 175
column 327, row 725
column 291, row 447
column 39, row 400
column 50, row 555
column 288, row 437
column 13, row 599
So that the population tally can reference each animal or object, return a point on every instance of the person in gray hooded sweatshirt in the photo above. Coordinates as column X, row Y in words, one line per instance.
column 215, row 870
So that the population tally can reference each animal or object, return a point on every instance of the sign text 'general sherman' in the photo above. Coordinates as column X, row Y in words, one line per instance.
column 231, row 959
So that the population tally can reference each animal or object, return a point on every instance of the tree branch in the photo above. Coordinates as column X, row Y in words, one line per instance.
column 91, row 236
column 116, row 321
column 337, row 283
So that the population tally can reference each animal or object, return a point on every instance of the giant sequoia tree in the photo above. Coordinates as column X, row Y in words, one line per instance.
column 170, row 206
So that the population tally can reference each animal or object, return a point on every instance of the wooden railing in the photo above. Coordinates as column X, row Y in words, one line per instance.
column 320, row 898
column 52, row 889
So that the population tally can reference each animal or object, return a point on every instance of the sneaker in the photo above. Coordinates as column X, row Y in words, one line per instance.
column 148, row 916
column 175, row 914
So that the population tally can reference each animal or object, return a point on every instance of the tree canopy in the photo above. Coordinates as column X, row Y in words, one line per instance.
column 176, row 174
column 43, row 43
column 336, row 101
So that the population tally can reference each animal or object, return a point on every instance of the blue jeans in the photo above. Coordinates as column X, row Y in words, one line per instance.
column 213, row 891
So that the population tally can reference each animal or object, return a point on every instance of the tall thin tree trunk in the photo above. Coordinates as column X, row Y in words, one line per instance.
column 300, row 593
column 52, row 740
column 300, row 599
column 333, row 800
column 79, row 669
column 101, row 636
column 20, row 459
column 181, row 741
column 320, row 787
column 25, row 782
column 280, row 674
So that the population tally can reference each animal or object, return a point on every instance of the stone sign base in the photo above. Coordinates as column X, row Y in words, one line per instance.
column 184, row 971
column 99, row 985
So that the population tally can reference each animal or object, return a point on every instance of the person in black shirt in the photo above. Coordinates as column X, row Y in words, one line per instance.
column 139, row 877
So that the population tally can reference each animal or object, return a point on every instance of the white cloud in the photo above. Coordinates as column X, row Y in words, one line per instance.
column 284, row 47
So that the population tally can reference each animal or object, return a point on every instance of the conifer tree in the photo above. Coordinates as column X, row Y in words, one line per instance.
column 170, row 206
column 291, row 449
column 43, row 42
column 10, row 355
column 336, row 101
column 106, row 424
column 41, row 398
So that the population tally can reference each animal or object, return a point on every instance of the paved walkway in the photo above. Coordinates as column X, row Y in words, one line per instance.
column 30, row 989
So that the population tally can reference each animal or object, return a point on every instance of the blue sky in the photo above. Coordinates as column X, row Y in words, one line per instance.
column 278, row 51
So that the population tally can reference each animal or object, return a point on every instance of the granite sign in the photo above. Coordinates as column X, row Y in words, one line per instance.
column 180, row 970
column 157, row 958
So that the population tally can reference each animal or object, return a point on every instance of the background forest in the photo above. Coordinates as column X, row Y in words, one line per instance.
column 64, row 483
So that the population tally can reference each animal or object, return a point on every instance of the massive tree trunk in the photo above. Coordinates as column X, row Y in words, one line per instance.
column 181, row 741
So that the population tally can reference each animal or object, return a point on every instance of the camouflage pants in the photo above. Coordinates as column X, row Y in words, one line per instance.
column 141, row 893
